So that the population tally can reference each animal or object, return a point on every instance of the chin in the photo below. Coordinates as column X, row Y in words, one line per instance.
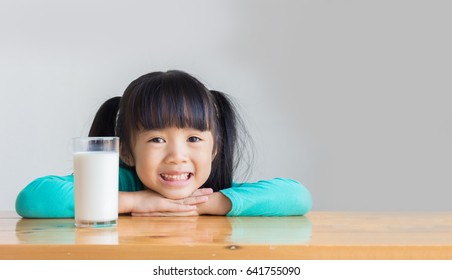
column 177, row 195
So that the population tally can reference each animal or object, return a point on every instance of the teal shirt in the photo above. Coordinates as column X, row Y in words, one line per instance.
column 53, row 196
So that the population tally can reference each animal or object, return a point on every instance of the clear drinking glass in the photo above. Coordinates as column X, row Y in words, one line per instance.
column 96, row 175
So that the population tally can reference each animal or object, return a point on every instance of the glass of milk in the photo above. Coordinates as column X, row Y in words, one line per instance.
column 96, row 175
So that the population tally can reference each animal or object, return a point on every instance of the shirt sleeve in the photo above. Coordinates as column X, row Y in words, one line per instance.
column 47, row 197
column 276, row 197
column 53, row 196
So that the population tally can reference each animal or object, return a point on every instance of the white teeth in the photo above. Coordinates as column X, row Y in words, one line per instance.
column 179, row 177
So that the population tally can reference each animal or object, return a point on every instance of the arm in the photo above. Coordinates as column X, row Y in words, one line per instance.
column 150, row 203
column 276, row 197
column 217, row 204
column 53, row 197
column 47, row 197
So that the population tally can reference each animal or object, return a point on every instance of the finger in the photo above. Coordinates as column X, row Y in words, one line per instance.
column 203, row 191
column 193, row 200
column 179, row 207
column 153, row 214
column 166, row 214
column 169, row 206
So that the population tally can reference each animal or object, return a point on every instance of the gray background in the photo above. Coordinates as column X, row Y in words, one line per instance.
column 352, row 98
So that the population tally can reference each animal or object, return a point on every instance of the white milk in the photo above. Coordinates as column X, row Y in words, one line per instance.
column 96, row 186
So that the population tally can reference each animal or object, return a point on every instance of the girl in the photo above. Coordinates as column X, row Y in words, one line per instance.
column 178, row 156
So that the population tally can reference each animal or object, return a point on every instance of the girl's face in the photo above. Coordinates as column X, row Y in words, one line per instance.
column 174, row 161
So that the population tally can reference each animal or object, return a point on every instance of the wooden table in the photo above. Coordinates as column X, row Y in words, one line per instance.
column 319, row 235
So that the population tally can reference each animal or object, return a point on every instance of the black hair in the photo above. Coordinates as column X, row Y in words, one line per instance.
column 105, row 119
column 174, row 99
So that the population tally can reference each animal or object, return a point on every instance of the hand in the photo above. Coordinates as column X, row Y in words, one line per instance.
column 218, row 204
column 150, row 203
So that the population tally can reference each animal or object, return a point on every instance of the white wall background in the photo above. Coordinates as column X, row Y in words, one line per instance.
column 352, row 98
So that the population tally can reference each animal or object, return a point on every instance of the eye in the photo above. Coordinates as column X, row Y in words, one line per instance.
column 157, row 140
column 194, row 139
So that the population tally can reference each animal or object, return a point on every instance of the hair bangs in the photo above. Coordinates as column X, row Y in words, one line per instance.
column 171, row 104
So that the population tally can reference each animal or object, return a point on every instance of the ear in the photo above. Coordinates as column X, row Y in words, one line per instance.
column 214, row 153
column 126, row 157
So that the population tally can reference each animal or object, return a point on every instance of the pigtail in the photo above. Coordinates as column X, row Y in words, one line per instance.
column 228, row 157
column 104, row 123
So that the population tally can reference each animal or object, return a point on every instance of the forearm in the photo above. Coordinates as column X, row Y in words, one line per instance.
column 53, row 197
column 218, row 204
column 125, row 202
column 47, row 197
column 139, row 201
column 275, row 197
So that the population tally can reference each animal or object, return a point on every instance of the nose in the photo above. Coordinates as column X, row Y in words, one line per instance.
column 176, row 153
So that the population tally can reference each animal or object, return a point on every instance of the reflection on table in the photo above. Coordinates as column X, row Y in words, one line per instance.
column 169, row 230
column 319, row 235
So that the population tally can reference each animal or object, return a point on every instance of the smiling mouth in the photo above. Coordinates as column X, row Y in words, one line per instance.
column 176, row 178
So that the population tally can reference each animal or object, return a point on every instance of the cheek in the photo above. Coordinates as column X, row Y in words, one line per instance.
column 145, row 169
column 205, row 164
column 205, row 155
